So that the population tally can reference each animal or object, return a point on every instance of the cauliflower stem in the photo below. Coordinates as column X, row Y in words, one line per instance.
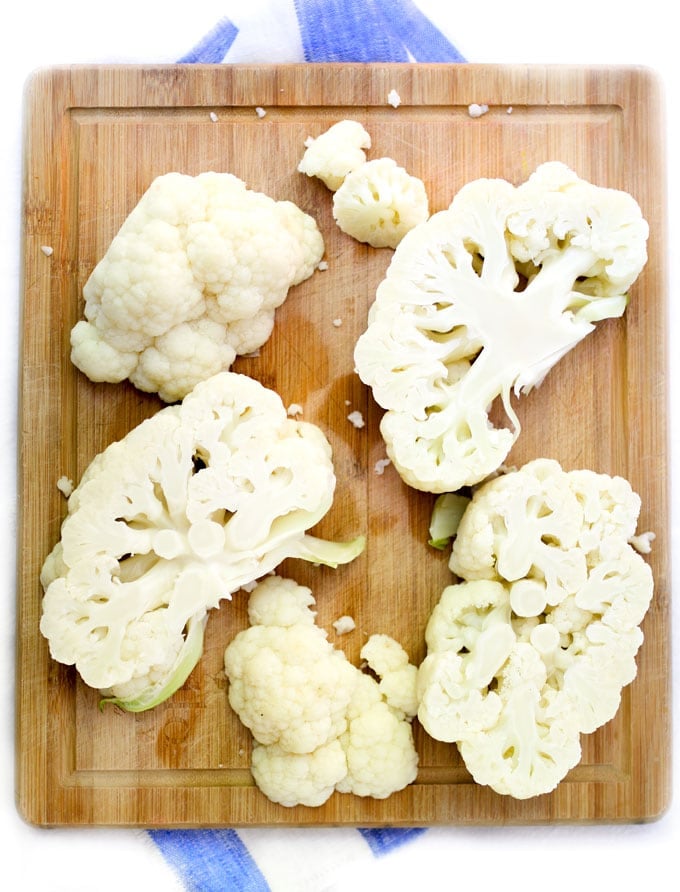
column 188, row 657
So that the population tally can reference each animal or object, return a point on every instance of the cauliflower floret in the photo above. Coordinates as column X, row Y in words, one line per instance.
column 288, row 685
column 378, row 743
column 298, row 778
column 192, row 278
column 192, row 504
column 335, row 153
column 481, row 301
column 388, row 659
column 319, row 723
column 379, row 202
column 534, row 646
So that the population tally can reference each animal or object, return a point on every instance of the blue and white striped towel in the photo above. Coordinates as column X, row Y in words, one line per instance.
column 292, row 859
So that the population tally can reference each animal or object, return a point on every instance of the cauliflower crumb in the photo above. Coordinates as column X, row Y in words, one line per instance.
column 508, row 111
column 260, row 112
column 65, row 486
column 47, row 250
column 323, row 265
column 476, row 111
column 344, row 624
column 356, row 418
column 394, row 99
column 381, row 464
column 642, row 543
column 294, row 409
column 213, row 116
column 337, row 322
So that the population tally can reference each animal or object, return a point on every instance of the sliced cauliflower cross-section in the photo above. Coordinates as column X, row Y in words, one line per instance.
column 191, row 280
column 319, row 723
column 481, row 301
column 195, row 502
column 534, row 646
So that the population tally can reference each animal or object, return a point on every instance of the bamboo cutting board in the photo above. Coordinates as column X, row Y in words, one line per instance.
column 94, row 140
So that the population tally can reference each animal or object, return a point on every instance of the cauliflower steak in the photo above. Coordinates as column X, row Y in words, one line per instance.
column 534, row 646
column 195, row 502
column 481, row 301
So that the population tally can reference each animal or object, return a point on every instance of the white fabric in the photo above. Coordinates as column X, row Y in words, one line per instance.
column 73, row 860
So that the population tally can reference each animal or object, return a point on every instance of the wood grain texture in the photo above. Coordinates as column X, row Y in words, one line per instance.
column 94, row 139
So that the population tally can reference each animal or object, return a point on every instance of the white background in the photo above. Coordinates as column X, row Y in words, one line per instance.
column 71, row 31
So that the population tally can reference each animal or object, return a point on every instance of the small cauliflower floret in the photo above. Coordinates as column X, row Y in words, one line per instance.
column 292, row 779
column 379, row 203
column 195, row 502
column 381, row 756
column 335, row 153
column 287, row 683
column 344, row 624
column 319, row 723
column 479, row 303
column 534, row 646
column 388, row 659
column 192, row 278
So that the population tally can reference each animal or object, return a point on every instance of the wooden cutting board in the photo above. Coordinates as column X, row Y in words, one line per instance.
column 94, row 139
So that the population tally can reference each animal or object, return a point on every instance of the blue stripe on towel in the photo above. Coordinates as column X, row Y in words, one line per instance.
column 370, row 31
column 210, row 860
column 411, row 26
column 215, row 45
column 346, row 31
column 383, row 839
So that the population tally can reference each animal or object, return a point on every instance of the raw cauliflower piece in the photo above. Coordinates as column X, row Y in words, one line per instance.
column 481, row 301
column 319, row 724
column 534, row 646
column 379, row 202
column 195, row 502
column 335, row 153
column 191, row 280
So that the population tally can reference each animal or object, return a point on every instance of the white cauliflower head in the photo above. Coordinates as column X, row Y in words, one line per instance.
column 195, row 502
column 192, row 278
column 480, row 302
column 535, row 645
column 319, row 724
column 379, row 202
column 335, row 153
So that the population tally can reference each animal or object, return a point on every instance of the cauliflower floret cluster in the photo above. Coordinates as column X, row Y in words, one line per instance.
column 200, row 499
column 191, row 280
column 534, row 646
column 319, row 724
column 481, row 301
column 376, row 202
